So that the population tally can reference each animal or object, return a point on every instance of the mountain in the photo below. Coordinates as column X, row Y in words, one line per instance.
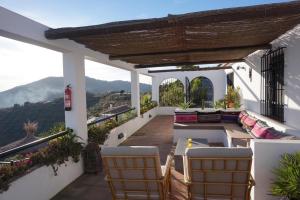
column 47, row 114
column 50, row 88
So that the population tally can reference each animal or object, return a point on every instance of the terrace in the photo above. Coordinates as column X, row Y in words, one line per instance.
column 256, row 49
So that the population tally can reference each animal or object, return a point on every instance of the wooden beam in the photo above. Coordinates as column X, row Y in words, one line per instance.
column 182, row 70
column 176, row 53
column 197, row 18
column 187, row 63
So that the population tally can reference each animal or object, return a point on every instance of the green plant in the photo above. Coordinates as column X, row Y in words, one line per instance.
column 287, row 183
column 220, row 104
column 57, row 127
column 232, row 97
column 185, row 105
column 171, row 93
column 56, row 153
column 146, row 103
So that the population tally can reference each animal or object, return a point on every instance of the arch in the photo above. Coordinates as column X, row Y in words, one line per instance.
column 202, row 89
column 171, row 92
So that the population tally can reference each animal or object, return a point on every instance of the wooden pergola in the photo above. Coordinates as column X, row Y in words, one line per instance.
column 215, row 36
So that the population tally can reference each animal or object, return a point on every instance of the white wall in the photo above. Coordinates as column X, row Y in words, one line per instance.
column 129, row 128
column 251, row 89
column 41, row 184
column 217, row 77
column 266, row 157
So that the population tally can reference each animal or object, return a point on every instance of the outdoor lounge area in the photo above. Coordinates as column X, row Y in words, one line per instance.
column 216, row 127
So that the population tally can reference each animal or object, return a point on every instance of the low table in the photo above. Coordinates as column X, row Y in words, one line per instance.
column 180, row 150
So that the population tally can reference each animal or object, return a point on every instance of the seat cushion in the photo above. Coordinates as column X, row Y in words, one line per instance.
column 230, row 116
column 260, row 129
column 241, row 116
column 218, row 152
column 131, row 160
column 185, row 117
column 210, row 117
column 248, row 123
column 130, row 151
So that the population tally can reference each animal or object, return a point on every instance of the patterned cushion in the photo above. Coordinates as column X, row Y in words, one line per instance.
column 230, row 116
column 248, row 123
column 242, row 116
column 188, row 117
column 274, row 134
column 209, row 116
column 260, row 129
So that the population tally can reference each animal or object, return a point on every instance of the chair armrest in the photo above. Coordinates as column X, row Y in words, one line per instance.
column 252, row 182
column 166, row 168
column 186, row 177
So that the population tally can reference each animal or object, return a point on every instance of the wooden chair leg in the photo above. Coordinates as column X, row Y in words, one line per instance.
column 170, row 181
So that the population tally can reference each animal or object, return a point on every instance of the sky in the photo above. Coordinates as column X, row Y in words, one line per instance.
column 22, row 63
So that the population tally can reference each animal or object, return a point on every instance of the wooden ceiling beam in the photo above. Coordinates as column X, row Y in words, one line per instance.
column 188, row 63
column 182, row 70
column 276, row 10
column 176, row 53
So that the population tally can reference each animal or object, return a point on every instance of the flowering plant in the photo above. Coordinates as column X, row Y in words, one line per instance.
column 56, row 153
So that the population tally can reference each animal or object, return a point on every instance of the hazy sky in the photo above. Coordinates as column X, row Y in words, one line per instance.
column 22, row 63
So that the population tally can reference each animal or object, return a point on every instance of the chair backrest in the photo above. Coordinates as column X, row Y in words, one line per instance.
column 218, row 172
column 133, row 172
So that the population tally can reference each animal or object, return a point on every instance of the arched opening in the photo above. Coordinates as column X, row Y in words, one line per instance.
column 202, row 92
column 171, row 92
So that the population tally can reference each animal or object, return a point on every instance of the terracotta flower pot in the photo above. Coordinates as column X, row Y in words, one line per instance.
column 230, row 105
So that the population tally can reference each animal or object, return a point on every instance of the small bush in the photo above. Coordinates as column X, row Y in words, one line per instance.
column 287, row 183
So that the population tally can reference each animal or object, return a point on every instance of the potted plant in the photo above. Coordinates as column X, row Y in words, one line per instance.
column 232, row 97
column 219, row 104
column 287, row 182
column 97, row 134
column 185, row 105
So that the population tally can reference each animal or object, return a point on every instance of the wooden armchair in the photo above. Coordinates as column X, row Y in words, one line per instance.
column 218, row 173
column 135, row 172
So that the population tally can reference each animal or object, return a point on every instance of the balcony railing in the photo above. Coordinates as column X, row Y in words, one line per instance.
column 16, row 150
column 115, row 116
column 21, row 148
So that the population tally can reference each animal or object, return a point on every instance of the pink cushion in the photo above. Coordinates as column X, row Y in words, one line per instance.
column 242, row 115
column 185, row 118
column 249, row 122
column 259, row 130
column 243, row 118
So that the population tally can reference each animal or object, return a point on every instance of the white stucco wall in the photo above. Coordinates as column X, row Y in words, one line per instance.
column 250, row 90
column 129, row 128
column 41, row 184
column 217, row 77
column 266, row 157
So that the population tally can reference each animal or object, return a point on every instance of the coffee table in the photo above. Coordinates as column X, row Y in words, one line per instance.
column 181, row 147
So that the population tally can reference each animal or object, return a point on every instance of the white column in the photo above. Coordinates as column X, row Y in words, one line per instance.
column 74, row 74
column 155, row 89
column 135, row 91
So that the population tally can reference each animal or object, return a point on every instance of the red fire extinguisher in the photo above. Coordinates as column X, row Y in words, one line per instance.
column 68, row 98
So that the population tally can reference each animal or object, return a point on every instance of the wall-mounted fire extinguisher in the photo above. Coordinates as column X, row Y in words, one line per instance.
column 68, row 98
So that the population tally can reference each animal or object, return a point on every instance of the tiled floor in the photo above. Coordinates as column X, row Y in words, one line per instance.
column 157, row 132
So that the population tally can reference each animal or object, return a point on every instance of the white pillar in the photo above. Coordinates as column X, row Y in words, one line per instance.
column 155, row 89
column 74, row 74
column 135, row 91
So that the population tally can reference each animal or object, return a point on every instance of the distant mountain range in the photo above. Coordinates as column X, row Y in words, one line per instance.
column 50, row 88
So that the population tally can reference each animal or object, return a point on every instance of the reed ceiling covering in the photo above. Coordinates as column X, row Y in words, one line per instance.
column 214, row 36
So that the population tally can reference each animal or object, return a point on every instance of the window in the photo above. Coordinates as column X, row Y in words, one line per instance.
column 272, row 83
